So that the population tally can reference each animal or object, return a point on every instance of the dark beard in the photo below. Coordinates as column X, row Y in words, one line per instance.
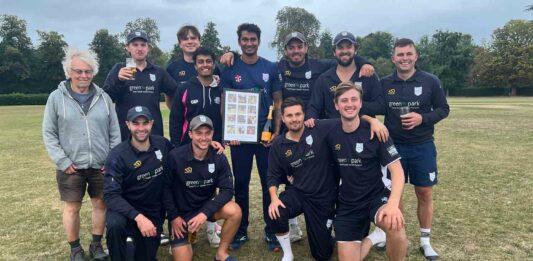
column 345, row 64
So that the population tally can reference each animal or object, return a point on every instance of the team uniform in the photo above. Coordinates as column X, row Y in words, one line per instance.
column 314, row 191
column 192, row 99
column 133, row 184
column 423, row 94
column 182, row 71
column 321, row 105
column 361, row 189
column 192, row 184
column 262, row 76
column 145, row 90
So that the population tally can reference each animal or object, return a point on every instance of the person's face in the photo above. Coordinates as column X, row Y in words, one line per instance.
column 293, row 118
column 201, row 137
column 249, row 43
column 349, row 104
column 204, row 65
column 81, row 73
column 345, row 52
column 190, row 43
column 404, row 58
column 140, row 128
column 295, row 52
column 138, row 49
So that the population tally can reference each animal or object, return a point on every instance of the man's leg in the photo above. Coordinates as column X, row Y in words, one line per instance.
column 425, row 218
column 71, row 220
column 231, row 213
column 396, row 243
column 292, row 200
column 71, row 190
column 182, row 253
column 349, row 250
column 241, row 161
column 146, row 247
column 318, row 221
column 117, row 231
column 98, row 221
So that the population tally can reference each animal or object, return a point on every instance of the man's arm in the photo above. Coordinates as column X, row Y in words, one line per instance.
column 51, row 135
column 113, row 85
column 441, row 109
column 375, row 103
column 316, row 102
column 278, row 99
column 391, row 213
column 169, row 87
column 114, row 127
column 177, row 117
column 113, row 179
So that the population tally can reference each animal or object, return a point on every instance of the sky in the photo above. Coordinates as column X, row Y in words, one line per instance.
column 79, row 20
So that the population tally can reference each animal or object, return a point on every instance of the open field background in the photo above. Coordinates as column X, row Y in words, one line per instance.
column 483, row 204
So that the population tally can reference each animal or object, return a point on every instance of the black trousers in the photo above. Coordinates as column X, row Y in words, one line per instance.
column 119, row 228
column 318, row 220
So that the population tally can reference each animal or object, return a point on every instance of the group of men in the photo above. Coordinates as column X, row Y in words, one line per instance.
column 327, row 147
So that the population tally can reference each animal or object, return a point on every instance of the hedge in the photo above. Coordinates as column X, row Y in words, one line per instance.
column 23, row 99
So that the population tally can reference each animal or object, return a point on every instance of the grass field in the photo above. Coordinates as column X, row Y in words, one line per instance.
column 483, row 204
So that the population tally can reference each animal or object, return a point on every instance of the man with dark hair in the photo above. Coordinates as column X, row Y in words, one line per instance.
column 302, row 155
column 252, row 72
column 415, row 103
column 362, row 197
column 144, row 87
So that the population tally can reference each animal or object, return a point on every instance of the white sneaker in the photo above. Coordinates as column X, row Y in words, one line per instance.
column 213, row 238
column 378, row 238
column 295, row 233
column 429, row 252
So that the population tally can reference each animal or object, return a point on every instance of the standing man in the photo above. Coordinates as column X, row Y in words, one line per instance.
column 415, row 103
column 302, row 155
column 250, row 71
column 143, row 88
column 133, row 188
column 80, row 127
column 362, row 196
column 195, row 174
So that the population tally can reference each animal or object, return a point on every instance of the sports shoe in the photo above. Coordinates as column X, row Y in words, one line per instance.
column 238, row 241
column 428, row 252
column 378, row 238
column 164, row 239
column 96, row 251
column 272, row 243
column 77, row 254
column 213, row 238
column 295, row 233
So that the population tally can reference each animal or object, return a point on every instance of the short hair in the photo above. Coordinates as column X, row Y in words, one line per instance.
column 402, row 42
column 184, row 31
column 252, row 28
column 343, row 87
column 203, row 51
column 291, row 101
column 87, row 56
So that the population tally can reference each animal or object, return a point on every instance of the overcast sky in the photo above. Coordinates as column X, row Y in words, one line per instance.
column 79, row 20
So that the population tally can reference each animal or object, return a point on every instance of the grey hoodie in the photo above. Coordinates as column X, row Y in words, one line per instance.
column 73, row 137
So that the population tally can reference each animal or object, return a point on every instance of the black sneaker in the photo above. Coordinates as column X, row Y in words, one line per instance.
column 272, row 243
column 96, row 251
column 238, row 241
column 77, row 254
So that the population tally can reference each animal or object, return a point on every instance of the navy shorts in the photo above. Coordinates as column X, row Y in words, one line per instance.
column 188, row 238
column 419, row 162
column 352, row 224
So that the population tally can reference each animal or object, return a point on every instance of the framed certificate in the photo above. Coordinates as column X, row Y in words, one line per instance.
column 241, row 115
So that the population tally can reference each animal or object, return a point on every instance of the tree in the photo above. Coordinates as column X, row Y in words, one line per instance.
column 376, row 45
column 290, row 19
column 383, row 65
column 16, row 51
column 175, row 53
column 109, row 51
column 48, row 70
column 326, row 45
column 210, row 39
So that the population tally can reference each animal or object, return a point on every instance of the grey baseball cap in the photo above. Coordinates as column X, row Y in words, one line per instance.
column 137, row 34
column 294, row 35
column 344, row 36
column 199, row 121
column 137, row 111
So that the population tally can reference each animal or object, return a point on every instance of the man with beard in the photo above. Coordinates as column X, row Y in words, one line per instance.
column 133, row 188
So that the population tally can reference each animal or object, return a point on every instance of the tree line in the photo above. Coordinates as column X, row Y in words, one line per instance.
column 452, row 56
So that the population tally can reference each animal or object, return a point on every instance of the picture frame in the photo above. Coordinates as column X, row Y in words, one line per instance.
column 241, row 115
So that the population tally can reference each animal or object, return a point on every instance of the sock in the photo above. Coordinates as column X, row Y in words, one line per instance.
column 293, row 221
column 74, row 244
column 377, row 236
column 97, row 239
column 285, row 243
column 211, row 226
column 425, row 233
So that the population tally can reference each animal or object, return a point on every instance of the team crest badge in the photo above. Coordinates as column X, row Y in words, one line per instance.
column 159, row 155
column 309, row 140
column 265, row 77
column 337, row 147
column 238, row 78
column 418, row 91
column 359, row 147
column 333, row 88
column 308, row 75
column 432, row 176
column 288, row 153
column 217, row 100
column 182, row 73
column 211, row 167
column 360, row 84
column 392, row 92
column 137, row 164
column 287, row 73
column 188, row 170
column 152, row 77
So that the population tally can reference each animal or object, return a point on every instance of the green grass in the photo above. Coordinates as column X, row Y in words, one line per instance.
column 483, row 208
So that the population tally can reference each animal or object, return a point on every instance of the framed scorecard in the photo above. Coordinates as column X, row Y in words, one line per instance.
column 241, row 115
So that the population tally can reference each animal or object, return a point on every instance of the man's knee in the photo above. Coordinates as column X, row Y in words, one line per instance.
column 72, row 208
column 115, row 222
column 424, row 194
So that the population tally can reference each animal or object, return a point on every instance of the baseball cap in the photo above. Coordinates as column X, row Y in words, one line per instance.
column 137, row 34
column 344, row 36
column 199, row 121
column 294, row 35
column 137, row 111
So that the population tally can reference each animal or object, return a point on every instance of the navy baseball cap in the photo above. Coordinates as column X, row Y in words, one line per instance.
column 137, row 111
column 137, row 34
column 294, row 35
column 344, row 36
column 199, row 121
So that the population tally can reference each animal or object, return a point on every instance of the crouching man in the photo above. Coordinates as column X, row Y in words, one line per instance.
column 195, row 173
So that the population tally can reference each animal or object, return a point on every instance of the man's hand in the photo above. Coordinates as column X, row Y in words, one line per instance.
column 71, row 169
column 125, row 74
column 309, row 123
column 234, row 143
column 269, row 143
column 273, row 210
column 379, row 129
column 290, row 179
column 411, row 120
column 195, row 223
column 367, row 70
column 217, row 146
column 227, row 59
column 146, row 226
column 391, row 217
column 179, row 227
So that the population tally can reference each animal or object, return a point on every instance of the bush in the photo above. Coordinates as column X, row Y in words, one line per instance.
column 23, row 99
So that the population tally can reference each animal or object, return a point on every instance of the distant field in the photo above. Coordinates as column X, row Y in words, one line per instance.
column 483, row 208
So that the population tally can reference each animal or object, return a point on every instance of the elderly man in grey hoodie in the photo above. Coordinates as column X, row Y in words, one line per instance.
column 80, row 127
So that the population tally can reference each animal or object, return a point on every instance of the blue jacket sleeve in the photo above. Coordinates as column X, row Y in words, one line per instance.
column 168, row 195
column 168, row 85
column 375, row 103
column 441, row 109
column 316, row 102
column 275, row 170
column 112, row 85
column 177, row 117
column 113, row 178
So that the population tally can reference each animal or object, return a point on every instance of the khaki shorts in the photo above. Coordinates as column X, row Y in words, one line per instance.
column 72, row 186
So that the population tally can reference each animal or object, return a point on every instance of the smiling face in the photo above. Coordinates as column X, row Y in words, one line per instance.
column 404, row 59
column 249, row 43
column 345, row 52
column 295, row 52
column 140, row 128
column 81, row 73
column 293, row 118
column 201, row 137
column 348, row 104
column 190, row 43
column 138, row 49
column 204, row 65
